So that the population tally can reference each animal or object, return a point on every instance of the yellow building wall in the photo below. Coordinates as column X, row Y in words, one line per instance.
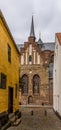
column 10, row 69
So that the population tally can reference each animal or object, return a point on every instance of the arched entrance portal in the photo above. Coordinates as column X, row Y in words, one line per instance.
column 30, row 99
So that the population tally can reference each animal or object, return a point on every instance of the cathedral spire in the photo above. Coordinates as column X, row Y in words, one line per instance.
column 32, row 33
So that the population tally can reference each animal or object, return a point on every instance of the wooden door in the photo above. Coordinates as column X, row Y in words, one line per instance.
column 10, row 100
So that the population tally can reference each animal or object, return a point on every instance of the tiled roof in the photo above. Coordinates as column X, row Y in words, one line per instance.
column 47, row 46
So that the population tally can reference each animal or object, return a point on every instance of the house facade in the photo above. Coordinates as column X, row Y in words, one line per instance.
column 57, row 75
column 9, row 70
column 36, row 60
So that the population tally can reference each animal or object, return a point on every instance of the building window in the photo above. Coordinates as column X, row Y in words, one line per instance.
column 3, row 81
column 9, row 53
column 30, row 58
column 15, row 90
column 51, row 70
column 24, row 84
column 36, row 83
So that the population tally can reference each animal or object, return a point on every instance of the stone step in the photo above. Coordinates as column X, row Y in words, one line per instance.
column 17, row 122
column 15, row 119
column 12, row 117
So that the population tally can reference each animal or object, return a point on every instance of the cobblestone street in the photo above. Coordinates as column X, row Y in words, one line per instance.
column 38, row 121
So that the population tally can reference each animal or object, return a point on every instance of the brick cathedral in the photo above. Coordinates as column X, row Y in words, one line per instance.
column 36, row 71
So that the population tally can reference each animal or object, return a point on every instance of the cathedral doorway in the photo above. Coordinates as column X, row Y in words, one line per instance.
column 30, row 99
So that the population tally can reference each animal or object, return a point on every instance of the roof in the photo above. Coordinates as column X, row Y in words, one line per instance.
column 32, row 33
column 8, row 30
column 59, row 37
column 40, row 41
column 47, row 46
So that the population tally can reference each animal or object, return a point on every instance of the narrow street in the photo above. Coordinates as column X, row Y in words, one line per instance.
column 39, row 120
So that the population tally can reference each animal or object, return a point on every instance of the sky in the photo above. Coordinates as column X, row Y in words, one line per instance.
column 46, row 14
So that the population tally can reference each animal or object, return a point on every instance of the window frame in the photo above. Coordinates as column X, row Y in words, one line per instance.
column 25, row 84
column 30, row 58
column 3, row 79
column 36, row 90
column 9, row 53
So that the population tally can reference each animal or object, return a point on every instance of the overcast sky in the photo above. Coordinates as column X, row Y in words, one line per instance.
column 18, row 14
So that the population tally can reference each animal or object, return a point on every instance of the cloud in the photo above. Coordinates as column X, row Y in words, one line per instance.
column 47, row 18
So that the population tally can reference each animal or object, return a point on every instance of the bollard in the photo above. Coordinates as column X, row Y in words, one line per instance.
column 32, row 113
column 42, row 103
column 45, row 113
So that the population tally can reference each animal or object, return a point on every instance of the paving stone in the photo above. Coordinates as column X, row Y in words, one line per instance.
column 38, row 121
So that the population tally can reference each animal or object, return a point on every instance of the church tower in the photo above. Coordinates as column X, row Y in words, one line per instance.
column 34, row 73
column 32, row 32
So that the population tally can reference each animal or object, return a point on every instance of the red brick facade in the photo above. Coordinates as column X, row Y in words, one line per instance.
column 35, row 68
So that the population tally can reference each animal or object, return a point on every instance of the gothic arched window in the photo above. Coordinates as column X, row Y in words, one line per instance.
column 25, row 84
column 36, row 83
